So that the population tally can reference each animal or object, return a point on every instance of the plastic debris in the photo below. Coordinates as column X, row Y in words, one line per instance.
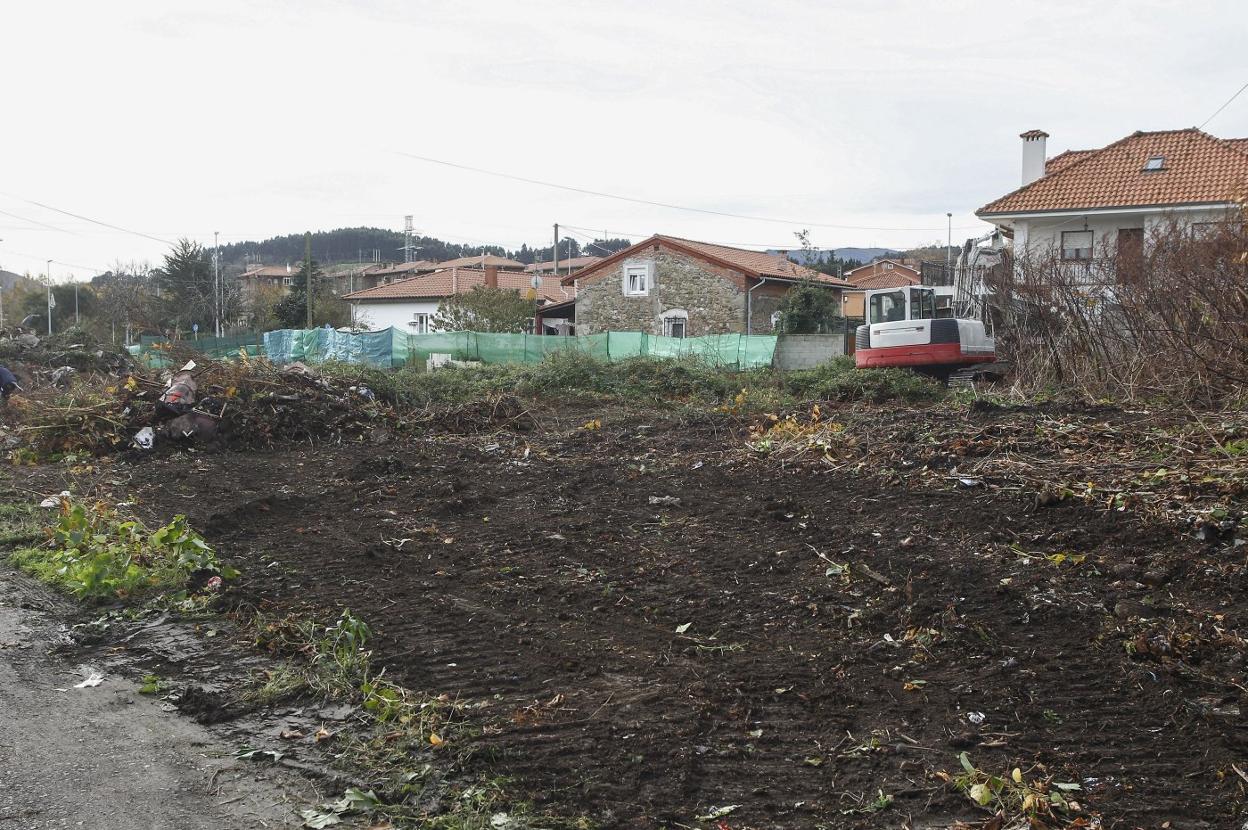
column 94, row 679
column 666, row 501
column 145, row 438
column 55, row 501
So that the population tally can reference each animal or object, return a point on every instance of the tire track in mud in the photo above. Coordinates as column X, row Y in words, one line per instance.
column 565, row 605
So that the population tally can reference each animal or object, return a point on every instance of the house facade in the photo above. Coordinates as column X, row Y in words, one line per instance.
column 1097, row 208
column 411, row 304
column 682, row 288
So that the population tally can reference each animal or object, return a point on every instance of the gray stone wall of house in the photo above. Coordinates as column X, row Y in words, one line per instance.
column 715, row 305
column 805, row 351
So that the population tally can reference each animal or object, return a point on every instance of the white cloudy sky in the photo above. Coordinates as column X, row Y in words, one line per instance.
column 262, row 117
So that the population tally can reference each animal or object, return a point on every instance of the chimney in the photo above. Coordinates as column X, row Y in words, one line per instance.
column 491, row 276
column 1033, row 155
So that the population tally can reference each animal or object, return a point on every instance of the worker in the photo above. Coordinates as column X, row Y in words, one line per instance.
column 8, row 383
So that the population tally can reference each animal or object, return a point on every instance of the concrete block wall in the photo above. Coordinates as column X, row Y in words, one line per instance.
column 805, row 351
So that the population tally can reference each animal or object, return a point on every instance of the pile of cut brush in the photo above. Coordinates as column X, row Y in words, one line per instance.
column 247, row 404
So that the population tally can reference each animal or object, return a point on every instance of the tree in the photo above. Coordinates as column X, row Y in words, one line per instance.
column 485, row 309
column 186, row 286
column 36, row 303
column 292, row 310
column 125, row 298
column 809, row 307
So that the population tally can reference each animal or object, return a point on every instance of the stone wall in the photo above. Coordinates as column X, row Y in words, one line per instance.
column 714, row 297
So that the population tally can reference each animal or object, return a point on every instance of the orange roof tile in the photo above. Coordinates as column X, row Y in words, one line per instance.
column 887, row 279
column 481, row 262
column 751, row 263
column 873, row 267
column 457, row 281
column 1065, row 159
column 574, row 262
column 1199, row 169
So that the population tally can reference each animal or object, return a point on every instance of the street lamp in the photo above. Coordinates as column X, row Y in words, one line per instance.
column 51, row 301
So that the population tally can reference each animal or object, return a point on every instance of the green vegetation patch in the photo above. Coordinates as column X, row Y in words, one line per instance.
column 94, row 553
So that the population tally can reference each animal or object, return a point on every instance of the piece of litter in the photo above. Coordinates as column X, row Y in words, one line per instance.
column 94, row 679
column 970, row 482
column 718, row 812
column 55, row 501
column 668, row 501
column 975, row 717
column 145, row 438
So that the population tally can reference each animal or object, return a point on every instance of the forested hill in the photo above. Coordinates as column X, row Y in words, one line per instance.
column 378, row 244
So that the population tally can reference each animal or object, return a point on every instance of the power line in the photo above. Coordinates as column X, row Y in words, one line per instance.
column 788, row 246
column 89, row 219
column 587, row 192
column 37, row 222
column 98, row 270
column 1224, row 106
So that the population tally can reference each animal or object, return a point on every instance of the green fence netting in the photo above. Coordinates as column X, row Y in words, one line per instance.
column 393, row 347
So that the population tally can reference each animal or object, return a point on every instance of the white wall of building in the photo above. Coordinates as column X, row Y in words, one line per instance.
column 1040, row 235
column 374, row 316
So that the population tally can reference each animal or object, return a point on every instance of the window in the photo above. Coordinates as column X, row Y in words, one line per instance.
column 419, row 323
column 922, row 304
column 888, row 266
column 944, row 306
column 888, row 308
column 675, row 323
column 1076, row 244
column 1155, row 163
column 638, row 274
column 288, row 280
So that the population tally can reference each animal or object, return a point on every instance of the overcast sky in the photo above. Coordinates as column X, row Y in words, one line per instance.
column 183, row 117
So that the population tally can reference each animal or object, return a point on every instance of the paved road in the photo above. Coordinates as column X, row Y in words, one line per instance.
column 108, row 758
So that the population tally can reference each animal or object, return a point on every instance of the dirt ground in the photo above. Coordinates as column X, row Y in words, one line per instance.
column 107, row 756
column 651, row 622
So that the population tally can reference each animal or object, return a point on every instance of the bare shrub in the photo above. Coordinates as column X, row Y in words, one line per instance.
column 1167, row 319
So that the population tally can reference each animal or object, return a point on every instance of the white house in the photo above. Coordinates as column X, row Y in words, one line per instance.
column 1089, row 204
column 411, row 304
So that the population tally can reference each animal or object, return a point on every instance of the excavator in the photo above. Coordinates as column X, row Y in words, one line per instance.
column 940, row 329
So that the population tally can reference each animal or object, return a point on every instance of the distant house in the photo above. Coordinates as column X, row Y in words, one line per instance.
column 883, row 273
column 566, row 266
column 411, row 304
column 680, row 287
column 259, row 277
column 1095, row 208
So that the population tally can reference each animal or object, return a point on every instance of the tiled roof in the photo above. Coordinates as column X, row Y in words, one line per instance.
column 390, row 269
column 481, row 262
column 574, row 262
column 1198, row 169
column 1065, row 160
column 270, row 271
column 751, row 263
column 457, row 281
column 887, row 279
column 872, row 267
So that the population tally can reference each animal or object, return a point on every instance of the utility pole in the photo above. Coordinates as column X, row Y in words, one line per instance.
column 51, row 301
column 949, row 244
column 75, row 301
column 307, row 270
column 216, row 284
column 555, row 255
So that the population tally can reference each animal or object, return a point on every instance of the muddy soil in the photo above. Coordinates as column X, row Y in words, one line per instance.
column 657, row 624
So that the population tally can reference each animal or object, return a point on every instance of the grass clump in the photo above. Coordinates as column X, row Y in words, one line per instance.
column 840, row 380
column 95, row 554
